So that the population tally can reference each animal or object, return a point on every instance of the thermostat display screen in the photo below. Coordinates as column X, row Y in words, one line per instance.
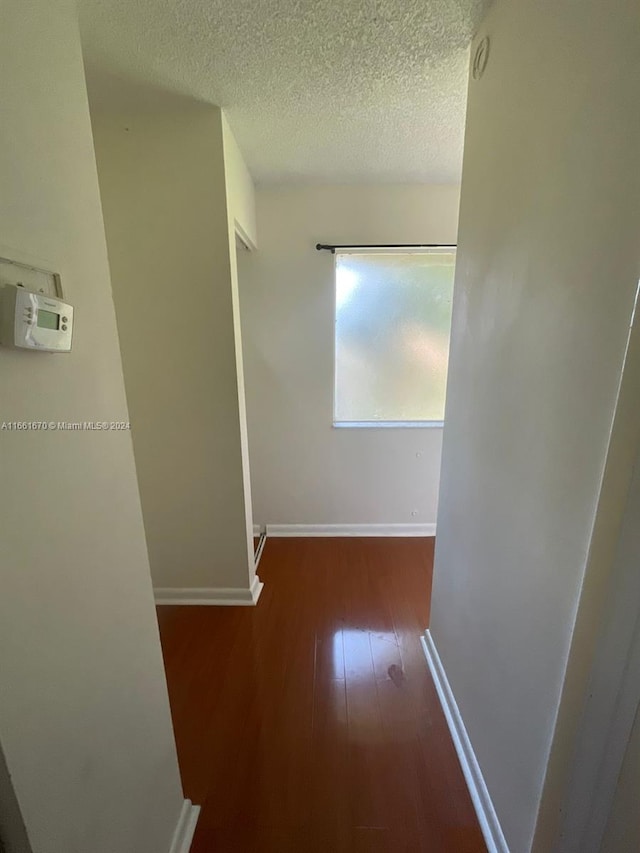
column 48, row 319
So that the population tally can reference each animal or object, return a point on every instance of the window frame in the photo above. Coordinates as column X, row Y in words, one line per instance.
column 379, row 250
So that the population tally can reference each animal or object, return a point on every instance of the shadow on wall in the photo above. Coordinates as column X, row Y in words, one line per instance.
column 13, row 835
column 125, row 93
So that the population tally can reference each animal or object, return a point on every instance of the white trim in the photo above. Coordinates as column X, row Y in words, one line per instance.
column 478, row 790
column 351, row 529
column 244, row 238
column 260, row 549
column 256, row 589
column 185, row 828
column 210, row 595
column 257, row 530
column 388, row 424
column 440, row 249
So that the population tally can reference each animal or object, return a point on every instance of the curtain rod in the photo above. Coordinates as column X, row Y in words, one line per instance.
column 332, row 248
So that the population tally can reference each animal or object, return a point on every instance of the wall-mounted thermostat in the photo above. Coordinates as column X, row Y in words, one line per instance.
column 36, row 321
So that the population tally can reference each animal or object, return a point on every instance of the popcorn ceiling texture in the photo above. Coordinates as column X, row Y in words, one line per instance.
column 314, row 90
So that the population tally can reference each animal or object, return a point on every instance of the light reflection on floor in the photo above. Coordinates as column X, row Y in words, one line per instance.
column 357, row 651
column 361, row 658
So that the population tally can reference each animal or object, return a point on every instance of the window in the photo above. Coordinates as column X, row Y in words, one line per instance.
column 393, row 319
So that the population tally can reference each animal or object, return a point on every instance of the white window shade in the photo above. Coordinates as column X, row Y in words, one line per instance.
column 393, row 319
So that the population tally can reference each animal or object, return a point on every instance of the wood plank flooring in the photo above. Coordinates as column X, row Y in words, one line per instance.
column 310, row 723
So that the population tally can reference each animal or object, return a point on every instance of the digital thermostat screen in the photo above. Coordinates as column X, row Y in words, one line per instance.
column 48, row 319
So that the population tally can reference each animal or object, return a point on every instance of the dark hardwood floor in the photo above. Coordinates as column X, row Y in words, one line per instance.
column 310, row 722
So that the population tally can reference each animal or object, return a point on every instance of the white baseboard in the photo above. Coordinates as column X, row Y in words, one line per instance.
column 480, row 796
column 260, row 549
column 185, row 828
column 351, row 529
column 257, row 530
column 210, row 595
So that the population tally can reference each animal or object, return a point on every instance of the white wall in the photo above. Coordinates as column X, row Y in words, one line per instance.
column 548, row 265
column 84, row 718
column 601, row 690
column 172, row 255
column 302, row 470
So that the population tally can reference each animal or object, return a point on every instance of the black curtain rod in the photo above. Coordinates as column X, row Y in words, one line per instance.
column 332, row 248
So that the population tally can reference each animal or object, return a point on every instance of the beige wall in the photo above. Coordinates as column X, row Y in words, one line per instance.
column 172, row 255
column 547, row 272
column 303, row 471
column 84, row 718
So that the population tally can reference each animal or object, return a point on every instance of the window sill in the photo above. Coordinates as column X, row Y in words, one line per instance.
column 388, row 424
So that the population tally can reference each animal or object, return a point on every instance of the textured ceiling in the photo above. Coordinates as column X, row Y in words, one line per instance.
column 315, row 90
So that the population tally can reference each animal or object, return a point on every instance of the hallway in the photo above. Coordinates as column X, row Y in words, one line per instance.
column 310, row 722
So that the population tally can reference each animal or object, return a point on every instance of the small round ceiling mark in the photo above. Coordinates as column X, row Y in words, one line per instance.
column 481, row 58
